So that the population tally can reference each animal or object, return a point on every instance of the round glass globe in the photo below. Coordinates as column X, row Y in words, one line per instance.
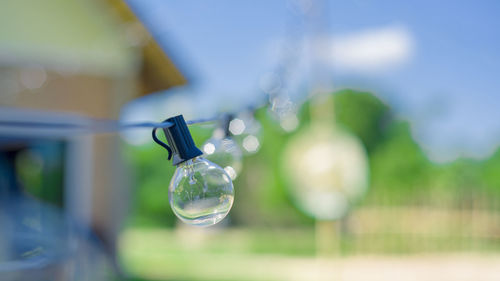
column 226, row 153
column 200, row 193
column 246, row 131
column 327, row 171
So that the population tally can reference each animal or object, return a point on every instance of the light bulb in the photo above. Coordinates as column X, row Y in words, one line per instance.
column 283, row 110
column 200, row 193
column 225, row 152
column 326, row 169
column 246, row 131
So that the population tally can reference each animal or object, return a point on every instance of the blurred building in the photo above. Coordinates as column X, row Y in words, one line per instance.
column 68, row 61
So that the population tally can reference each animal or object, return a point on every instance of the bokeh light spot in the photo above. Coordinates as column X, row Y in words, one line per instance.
column 251, row 143
column 237, row 126
column 209, row 148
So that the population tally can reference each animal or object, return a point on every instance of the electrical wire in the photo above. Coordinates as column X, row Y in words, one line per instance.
column 95, row 125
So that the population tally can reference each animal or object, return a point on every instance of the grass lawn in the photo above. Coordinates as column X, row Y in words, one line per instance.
column 249, row 254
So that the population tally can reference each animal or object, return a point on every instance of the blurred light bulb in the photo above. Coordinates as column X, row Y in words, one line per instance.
column 225, row 152
column 284, row 111
column 327, row 170
column 249, row 137
column 200, row 193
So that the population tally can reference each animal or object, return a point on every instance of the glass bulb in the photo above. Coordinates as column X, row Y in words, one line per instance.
column 200, row 193
column 327, row 170
column 246, row 131
column 225, row 152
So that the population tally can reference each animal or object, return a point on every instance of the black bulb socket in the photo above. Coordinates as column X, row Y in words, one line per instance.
column 180, row 140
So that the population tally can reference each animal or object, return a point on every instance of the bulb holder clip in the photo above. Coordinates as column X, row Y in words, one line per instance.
column 180, row 140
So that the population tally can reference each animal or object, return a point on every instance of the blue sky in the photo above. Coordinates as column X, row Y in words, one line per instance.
column 445, row 80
